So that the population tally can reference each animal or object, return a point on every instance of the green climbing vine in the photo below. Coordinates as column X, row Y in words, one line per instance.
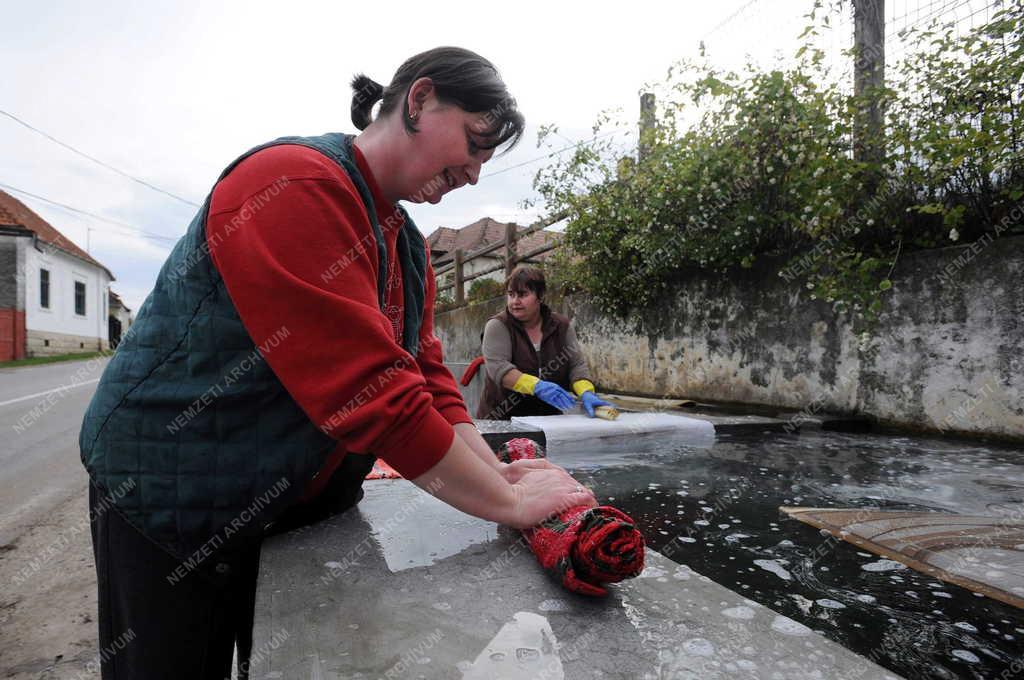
column 758, row 166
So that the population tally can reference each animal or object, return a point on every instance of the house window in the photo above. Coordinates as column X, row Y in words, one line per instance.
column 44, row 288
column 79, row 298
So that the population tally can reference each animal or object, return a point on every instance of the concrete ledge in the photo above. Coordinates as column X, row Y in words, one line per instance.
column 405, row 586
column 497, row 432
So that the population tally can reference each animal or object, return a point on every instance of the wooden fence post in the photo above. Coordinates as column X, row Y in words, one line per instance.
column 460, row 284
column 511, row 234
column 869, row 78
column 647, row 123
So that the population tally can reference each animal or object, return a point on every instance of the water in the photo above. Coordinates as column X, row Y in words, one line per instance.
column 716, row 510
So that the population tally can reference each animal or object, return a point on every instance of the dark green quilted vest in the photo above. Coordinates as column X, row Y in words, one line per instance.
column 246, row 452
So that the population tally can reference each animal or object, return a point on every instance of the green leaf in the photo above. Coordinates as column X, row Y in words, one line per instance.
column 884, row 284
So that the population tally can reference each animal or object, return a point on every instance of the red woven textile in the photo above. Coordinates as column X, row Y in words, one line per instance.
column 584, row 548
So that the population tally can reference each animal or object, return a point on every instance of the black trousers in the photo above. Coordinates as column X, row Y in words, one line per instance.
column 153, row 627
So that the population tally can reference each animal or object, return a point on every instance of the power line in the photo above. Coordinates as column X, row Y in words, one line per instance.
column 98, row 161
column 726, row 20
column 131, row 227
column 553, row 153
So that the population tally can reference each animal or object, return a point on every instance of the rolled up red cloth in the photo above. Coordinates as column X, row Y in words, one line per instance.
column 470, row 372
column 584, row 548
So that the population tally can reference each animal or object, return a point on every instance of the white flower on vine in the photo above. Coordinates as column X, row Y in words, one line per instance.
column 954, row 234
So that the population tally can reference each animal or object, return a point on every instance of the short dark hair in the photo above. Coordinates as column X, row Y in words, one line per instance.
column 460, row 77
column 525, row 277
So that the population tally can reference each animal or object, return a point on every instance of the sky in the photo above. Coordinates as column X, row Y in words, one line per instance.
column 171, row 92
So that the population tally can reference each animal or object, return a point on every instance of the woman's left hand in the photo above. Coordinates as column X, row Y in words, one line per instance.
column 514, row 471
column 591, row 401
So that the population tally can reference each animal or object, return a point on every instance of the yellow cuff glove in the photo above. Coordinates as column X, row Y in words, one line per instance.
column 581, row 386
column 526, row 384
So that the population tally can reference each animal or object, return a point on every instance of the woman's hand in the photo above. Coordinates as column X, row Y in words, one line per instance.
column 591, row 401
column 542, row 492
column 514, row 471
column 554, row 395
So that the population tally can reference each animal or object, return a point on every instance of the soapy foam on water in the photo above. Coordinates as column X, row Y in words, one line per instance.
column 883, row 565
column 775, row 567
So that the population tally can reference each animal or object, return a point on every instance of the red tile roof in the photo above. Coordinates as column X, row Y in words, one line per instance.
column 115, row 300
column 6, row 218
column 444, row 241
column 21, row 215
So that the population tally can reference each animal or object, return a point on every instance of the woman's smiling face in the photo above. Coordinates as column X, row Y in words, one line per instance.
column 446, row 151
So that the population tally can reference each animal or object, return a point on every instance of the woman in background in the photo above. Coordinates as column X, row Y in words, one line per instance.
column 532, row 357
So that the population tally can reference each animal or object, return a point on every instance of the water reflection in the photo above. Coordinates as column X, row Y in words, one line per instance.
column 716, row 510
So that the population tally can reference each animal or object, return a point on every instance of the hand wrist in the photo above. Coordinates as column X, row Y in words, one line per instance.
column 526, row 384
column 581, row 386
column 509, row 511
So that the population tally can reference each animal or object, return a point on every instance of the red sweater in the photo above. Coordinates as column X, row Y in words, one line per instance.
column 292, row 239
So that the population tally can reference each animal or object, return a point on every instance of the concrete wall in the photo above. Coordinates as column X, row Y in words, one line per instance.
column 48, row 343
column 948, row 353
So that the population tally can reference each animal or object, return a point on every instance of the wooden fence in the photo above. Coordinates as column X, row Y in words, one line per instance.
column 510, row 259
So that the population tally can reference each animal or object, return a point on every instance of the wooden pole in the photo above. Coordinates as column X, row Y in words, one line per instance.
column 460, row 284
column 511, row 234
column 869, row 78
column 647, row 123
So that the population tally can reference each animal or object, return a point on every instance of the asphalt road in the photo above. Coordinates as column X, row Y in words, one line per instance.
column 41, row 410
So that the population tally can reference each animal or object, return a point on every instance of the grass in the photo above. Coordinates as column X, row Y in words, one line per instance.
column 33, row 361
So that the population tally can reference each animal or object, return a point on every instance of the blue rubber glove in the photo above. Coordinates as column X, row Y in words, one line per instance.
column 552, row 394
column 592, row 401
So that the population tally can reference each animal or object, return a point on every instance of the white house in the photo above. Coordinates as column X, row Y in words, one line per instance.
column 53, row 295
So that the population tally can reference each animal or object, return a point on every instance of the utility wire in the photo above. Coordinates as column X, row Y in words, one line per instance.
column 553, row 153
column 98, row 161
column 131, row 227
column 726, row 20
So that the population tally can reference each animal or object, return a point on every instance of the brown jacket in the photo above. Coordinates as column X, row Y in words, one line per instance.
column 559, row 361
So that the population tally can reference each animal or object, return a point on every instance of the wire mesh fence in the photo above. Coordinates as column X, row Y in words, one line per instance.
column 768, row 32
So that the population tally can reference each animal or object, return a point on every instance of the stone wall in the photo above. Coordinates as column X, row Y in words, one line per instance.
column 48, row 343
column 948, row 353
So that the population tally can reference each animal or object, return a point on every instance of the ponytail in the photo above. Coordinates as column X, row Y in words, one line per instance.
column 365, row 93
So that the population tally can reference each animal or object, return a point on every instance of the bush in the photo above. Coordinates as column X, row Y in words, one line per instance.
column 760, row 164
column 484, row 289
column 443, row 303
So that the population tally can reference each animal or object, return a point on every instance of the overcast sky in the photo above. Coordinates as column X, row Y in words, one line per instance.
column 173, row 91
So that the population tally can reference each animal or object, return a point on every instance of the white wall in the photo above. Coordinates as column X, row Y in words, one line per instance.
column 61, row 316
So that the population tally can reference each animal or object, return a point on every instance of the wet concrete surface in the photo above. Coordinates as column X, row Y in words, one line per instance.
column 405, row 586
